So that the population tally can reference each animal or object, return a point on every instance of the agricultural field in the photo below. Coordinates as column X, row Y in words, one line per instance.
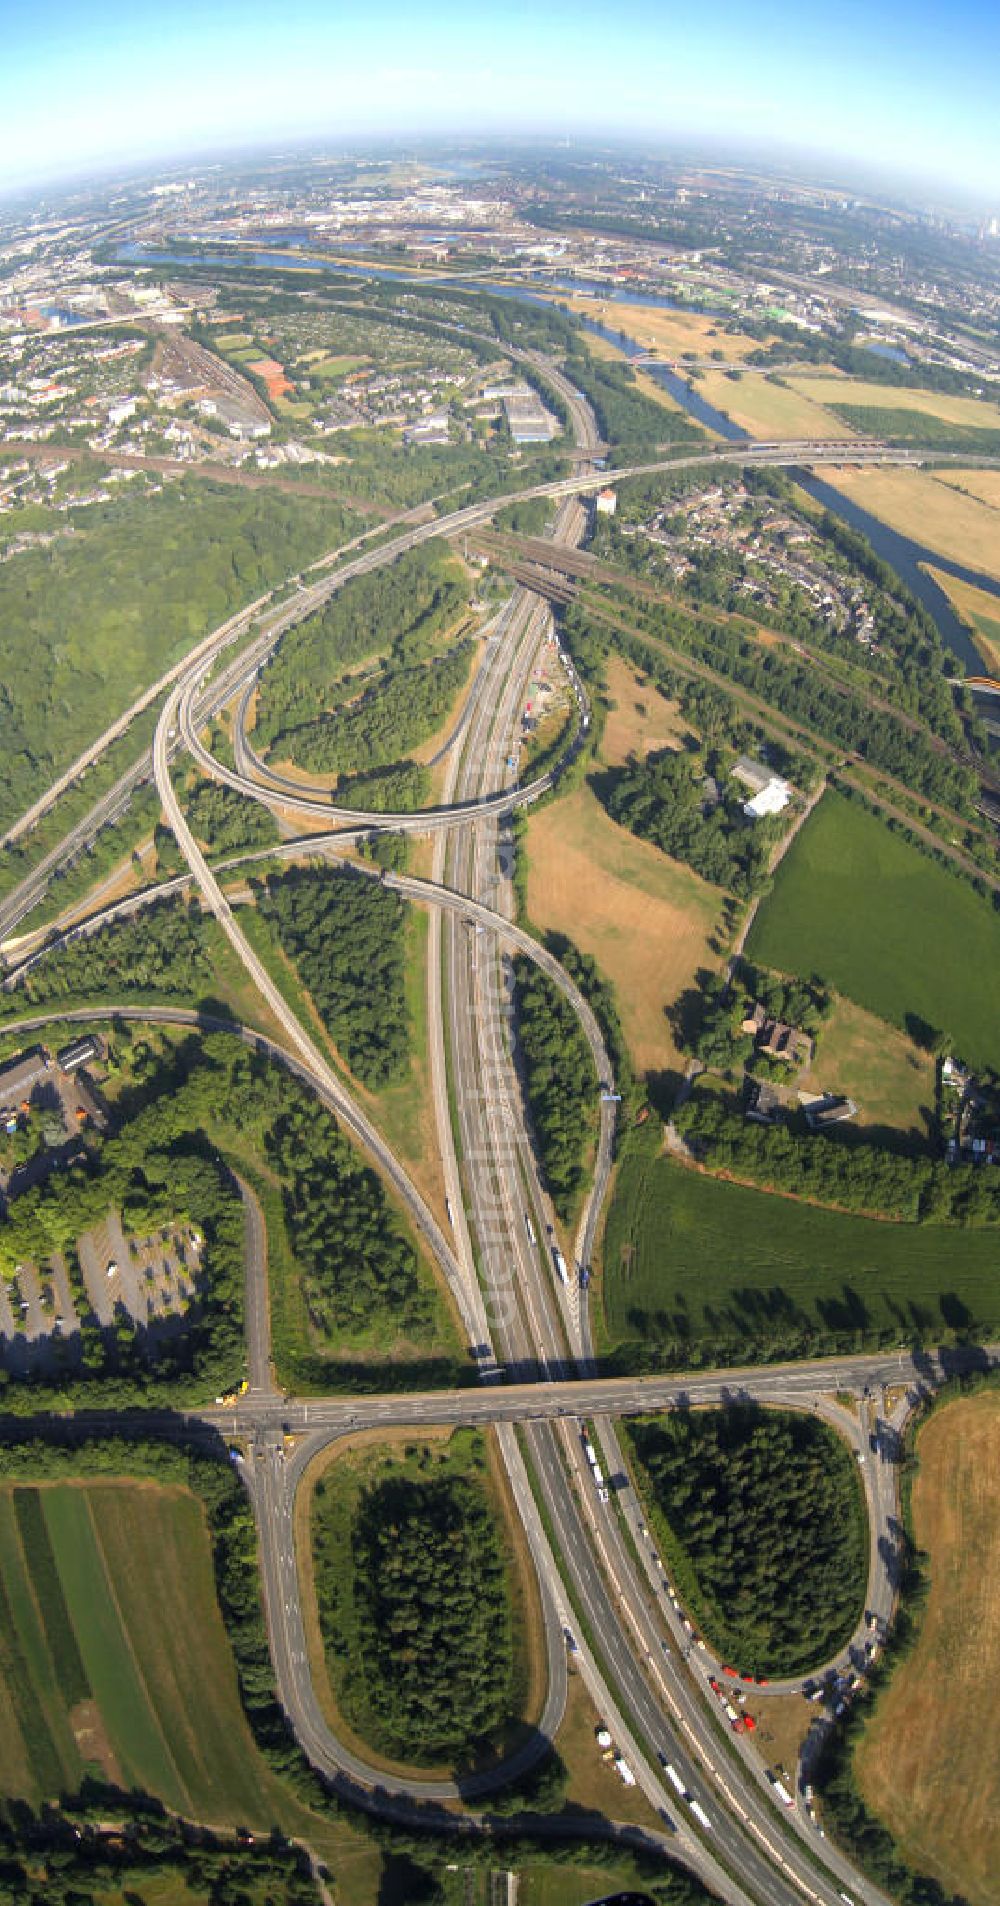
column 888, row 927
column 765, row 409
column 930, row 510
column 697, row 1268
column 979, row 610
column 928, row 1762
column 645, row 919
column 761, row 1517
column 426, row 1612
column 113, row 1657
column 670, row 333
column 966, row 413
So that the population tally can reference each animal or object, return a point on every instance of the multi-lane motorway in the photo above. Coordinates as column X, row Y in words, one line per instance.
column 518, row 1315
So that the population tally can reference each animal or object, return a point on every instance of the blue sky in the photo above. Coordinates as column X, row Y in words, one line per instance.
column 907, row 84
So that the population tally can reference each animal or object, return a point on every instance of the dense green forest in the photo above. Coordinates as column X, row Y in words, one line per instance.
column 398, row 789
column 400, row 711
column 401, row 611
column 414, row 1604
column 226, row 821
column 356, row 1262
column 762, row 1522
column 560, row 1078
column 663, row 799
column 164, row 949
column 346, row 934
column 88, row 622
column 837, row 1169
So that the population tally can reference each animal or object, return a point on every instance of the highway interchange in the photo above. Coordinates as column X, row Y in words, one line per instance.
column 598, row 1580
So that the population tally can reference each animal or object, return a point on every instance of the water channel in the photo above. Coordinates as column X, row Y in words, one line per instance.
column 900, row 552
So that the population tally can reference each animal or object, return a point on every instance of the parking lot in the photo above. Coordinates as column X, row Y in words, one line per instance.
column 149, row 1281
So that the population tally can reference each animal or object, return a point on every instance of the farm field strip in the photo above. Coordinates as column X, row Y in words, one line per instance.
column 112, row 1670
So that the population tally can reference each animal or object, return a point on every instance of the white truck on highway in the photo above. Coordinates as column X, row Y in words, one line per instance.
column 560, row 1263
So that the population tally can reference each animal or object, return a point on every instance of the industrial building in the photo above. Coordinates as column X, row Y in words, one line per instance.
column 20, row 1077
column 527, row 418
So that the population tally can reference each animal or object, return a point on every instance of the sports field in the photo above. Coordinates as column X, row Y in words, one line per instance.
column 646, row 920
column 695, row 1263
column 765, row 409
column 886, row 925
column 929, row 1761
column 929, row 510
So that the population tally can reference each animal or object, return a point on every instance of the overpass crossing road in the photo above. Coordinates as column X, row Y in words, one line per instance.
column 746, row 1851
column 263, row 1416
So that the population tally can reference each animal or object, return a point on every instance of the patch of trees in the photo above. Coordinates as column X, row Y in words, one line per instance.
column 903, row 425
column 163, row 949
column 560, row 1080
column 404, row 608
column 530, row 517
column 400, row 788
column 663, row 799
column 347, row 936
column 357, row 1263
column 717, row 1039
column 431, row 1656
column 763, row 1523
column 625, row 415
column 836, row 1168
column 400, row 710
column 226, row 821
column 88, row 622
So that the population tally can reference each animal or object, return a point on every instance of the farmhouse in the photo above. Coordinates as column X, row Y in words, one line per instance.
column 774, row 1038
column 768, row 792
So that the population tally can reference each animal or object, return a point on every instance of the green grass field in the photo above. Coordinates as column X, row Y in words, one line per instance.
column 114, row 1662
column 697, row 1268
column 888, row 927
column 114, row 1658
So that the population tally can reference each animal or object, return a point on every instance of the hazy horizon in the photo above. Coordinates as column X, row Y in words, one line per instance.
column 875, row 91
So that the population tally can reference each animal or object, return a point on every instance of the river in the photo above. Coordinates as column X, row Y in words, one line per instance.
column 902, row 554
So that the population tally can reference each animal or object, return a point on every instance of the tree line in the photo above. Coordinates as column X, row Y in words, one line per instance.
column 559, row 1078
column 837, row 1170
